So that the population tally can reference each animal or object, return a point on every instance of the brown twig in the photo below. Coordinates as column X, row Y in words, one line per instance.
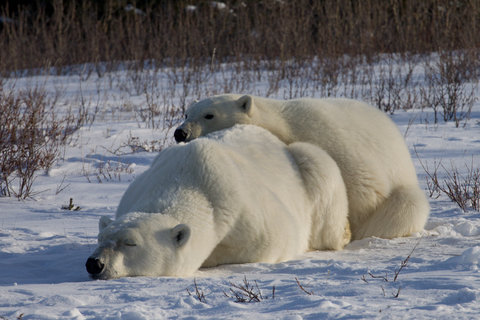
column 198, row 292
column 302, row 288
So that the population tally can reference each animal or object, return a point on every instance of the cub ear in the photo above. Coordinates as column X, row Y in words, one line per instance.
column 104, row 222
column 246, row 104
column 180, row 234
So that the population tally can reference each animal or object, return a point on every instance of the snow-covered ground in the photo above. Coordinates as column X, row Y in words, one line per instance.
column 43, row 248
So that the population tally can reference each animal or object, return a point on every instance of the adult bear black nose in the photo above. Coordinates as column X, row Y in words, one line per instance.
column 180, row 135
column 94, row 266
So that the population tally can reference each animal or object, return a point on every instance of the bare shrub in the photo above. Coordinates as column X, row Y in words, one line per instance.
column 161, row 111
column 451, row 83
column 31, row 135
column 329, row 70
column 303, row 288
column 463, row 189
column 432, row 180
column 134, row 144
column 387, row 83
column 386, row 93
column 396, row 273
column 152, row 108
column 247, row 292
column 85, row 116
column 107, row 171
column 198, row 292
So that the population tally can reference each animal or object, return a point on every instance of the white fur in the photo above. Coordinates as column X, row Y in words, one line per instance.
column 239, row 195
column 383, row 193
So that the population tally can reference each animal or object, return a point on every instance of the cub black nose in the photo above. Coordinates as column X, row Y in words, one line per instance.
column 180, row 135
column 94, row 266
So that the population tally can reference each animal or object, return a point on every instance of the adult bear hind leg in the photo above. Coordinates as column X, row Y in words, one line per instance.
column 403, row 212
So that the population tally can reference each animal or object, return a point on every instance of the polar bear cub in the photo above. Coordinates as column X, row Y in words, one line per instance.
column 383, row 193
column 239, row 195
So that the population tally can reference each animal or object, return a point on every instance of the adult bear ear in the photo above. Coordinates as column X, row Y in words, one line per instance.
column 246, row 104
column 104, row 222
column 180, row 234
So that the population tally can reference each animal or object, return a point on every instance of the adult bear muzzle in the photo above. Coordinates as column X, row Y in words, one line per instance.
column 94, row 266
column 180, row 135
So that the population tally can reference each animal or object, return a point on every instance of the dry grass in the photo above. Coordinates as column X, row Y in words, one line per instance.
column 62, row 34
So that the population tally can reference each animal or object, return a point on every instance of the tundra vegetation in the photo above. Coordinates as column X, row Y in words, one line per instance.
column 163, row 55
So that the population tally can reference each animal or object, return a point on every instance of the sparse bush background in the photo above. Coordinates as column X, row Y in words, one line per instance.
column 349, row 48
column 31, row 137
column 394, row 54
column 60, row 34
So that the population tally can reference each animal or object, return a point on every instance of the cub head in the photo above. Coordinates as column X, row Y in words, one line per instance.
column 213, row 114
column 139, row 244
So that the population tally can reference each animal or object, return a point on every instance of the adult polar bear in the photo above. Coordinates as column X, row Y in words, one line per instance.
column 383, row 193
column 240, row 195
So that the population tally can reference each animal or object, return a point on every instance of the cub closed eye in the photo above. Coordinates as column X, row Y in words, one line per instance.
column 209, row 116
column 129, row 243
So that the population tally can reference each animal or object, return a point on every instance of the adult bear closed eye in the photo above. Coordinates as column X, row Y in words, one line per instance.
column 383, row 193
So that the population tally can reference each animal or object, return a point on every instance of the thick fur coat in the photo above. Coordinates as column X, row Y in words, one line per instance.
column 239, row 195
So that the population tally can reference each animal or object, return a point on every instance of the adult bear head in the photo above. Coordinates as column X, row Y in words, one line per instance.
column 213, row 114
column 141, row 244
